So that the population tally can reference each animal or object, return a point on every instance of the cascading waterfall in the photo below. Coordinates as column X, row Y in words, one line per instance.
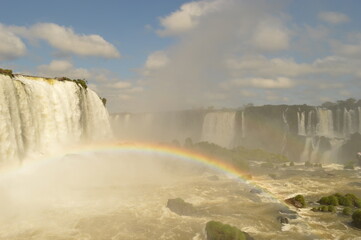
column 309, row 123
column 301, row 123
column 38, row 114
column 287, row 128
column 219, row 128
column 244, row 125
column 325, row 123
column 359, row 119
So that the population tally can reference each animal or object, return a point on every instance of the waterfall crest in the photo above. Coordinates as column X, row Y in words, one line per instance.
column 39, row 114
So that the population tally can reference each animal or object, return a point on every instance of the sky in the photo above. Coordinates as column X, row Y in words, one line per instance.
column 168, row 55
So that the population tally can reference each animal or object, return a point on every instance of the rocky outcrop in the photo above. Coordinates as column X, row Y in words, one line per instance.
column 180, row 207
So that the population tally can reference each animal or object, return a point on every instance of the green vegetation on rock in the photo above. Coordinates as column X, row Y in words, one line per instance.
column 347, row 211
column 347, row 200
column 297, row 201
column 80, row 82
column 219, row 231
column 7, row 72
column 356, row 218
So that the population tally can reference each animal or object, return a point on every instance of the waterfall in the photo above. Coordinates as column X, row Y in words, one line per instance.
column 287, row 128
column 301, row 123
column 38, row 114
column 244, row 125
column 219, row 128
column 359, row 119
column 347, row 122
column 324, row 126
column 309, row 128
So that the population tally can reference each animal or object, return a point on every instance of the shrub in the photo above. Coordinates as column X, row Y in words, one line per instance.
column 292, row 164
column 356, row 218
column 357, row 203
column 219, row 231
column 7, row 72
column 301, row 199
column 331, row 208
column 347, row 211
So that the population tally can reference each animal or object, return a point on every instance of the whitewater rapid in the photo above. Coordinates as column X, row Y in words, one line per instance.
column 41, row 114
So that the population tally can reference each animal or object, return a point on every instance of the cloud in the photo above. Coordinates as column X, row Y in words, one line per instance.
column 67, row 41
column 271, row 35
column 280, row 82
column 333, row 17
column 62, row 68
column 121, row 85
column 11, row 46
column 156, row 60
column 187, row 17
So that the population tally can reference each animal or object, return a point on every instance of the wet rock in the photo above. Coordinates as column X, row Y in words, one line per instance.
column 256, row 191
column 180, row 207
column 282, row 219
column 297, row 201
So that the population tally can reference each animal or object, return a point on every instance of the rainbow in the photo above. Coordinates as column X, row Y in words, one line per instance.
column 164, row 150
column 175, row 153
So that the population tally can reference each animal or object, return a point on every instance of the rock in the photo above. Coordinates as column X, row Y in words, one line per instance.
column 282, row 219
column 180, row 207
column 256, row 191
column 297, row 201
column 219, row 231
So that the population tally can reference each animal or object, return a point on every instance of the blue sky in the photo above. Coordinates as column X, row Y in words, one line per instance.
column 161, row 54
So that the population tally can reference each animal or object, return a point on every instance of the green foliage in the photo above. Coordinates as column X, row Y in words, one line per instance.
column 324, row 208
column 80, row 82
column 357, row 203
column 331, row 208
column 299, row 198
column 104, row 100
column 219, row 231
column 7, row 72
column 356, row 218
column 347, row 211
column 292, row 164
column 347, row 200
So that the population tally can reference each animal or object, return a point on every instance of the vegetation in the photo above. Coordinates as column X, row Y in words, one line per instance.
column 219, row 231
column 347, row 200
column 356, row 218
column 7, row 72
column 292, row 164
column 297, row 201
column 347, row 211
column 104, row 100
column 80, row 82
column 324, row 208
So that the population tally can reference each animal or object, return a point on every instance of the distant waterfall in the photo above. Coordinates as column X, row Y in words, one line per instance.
column 244, row 125
column 325, row 123
column 359, row 119
column 301, row 123
column 37, row 114
column 219, row 128
column 309, row 128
